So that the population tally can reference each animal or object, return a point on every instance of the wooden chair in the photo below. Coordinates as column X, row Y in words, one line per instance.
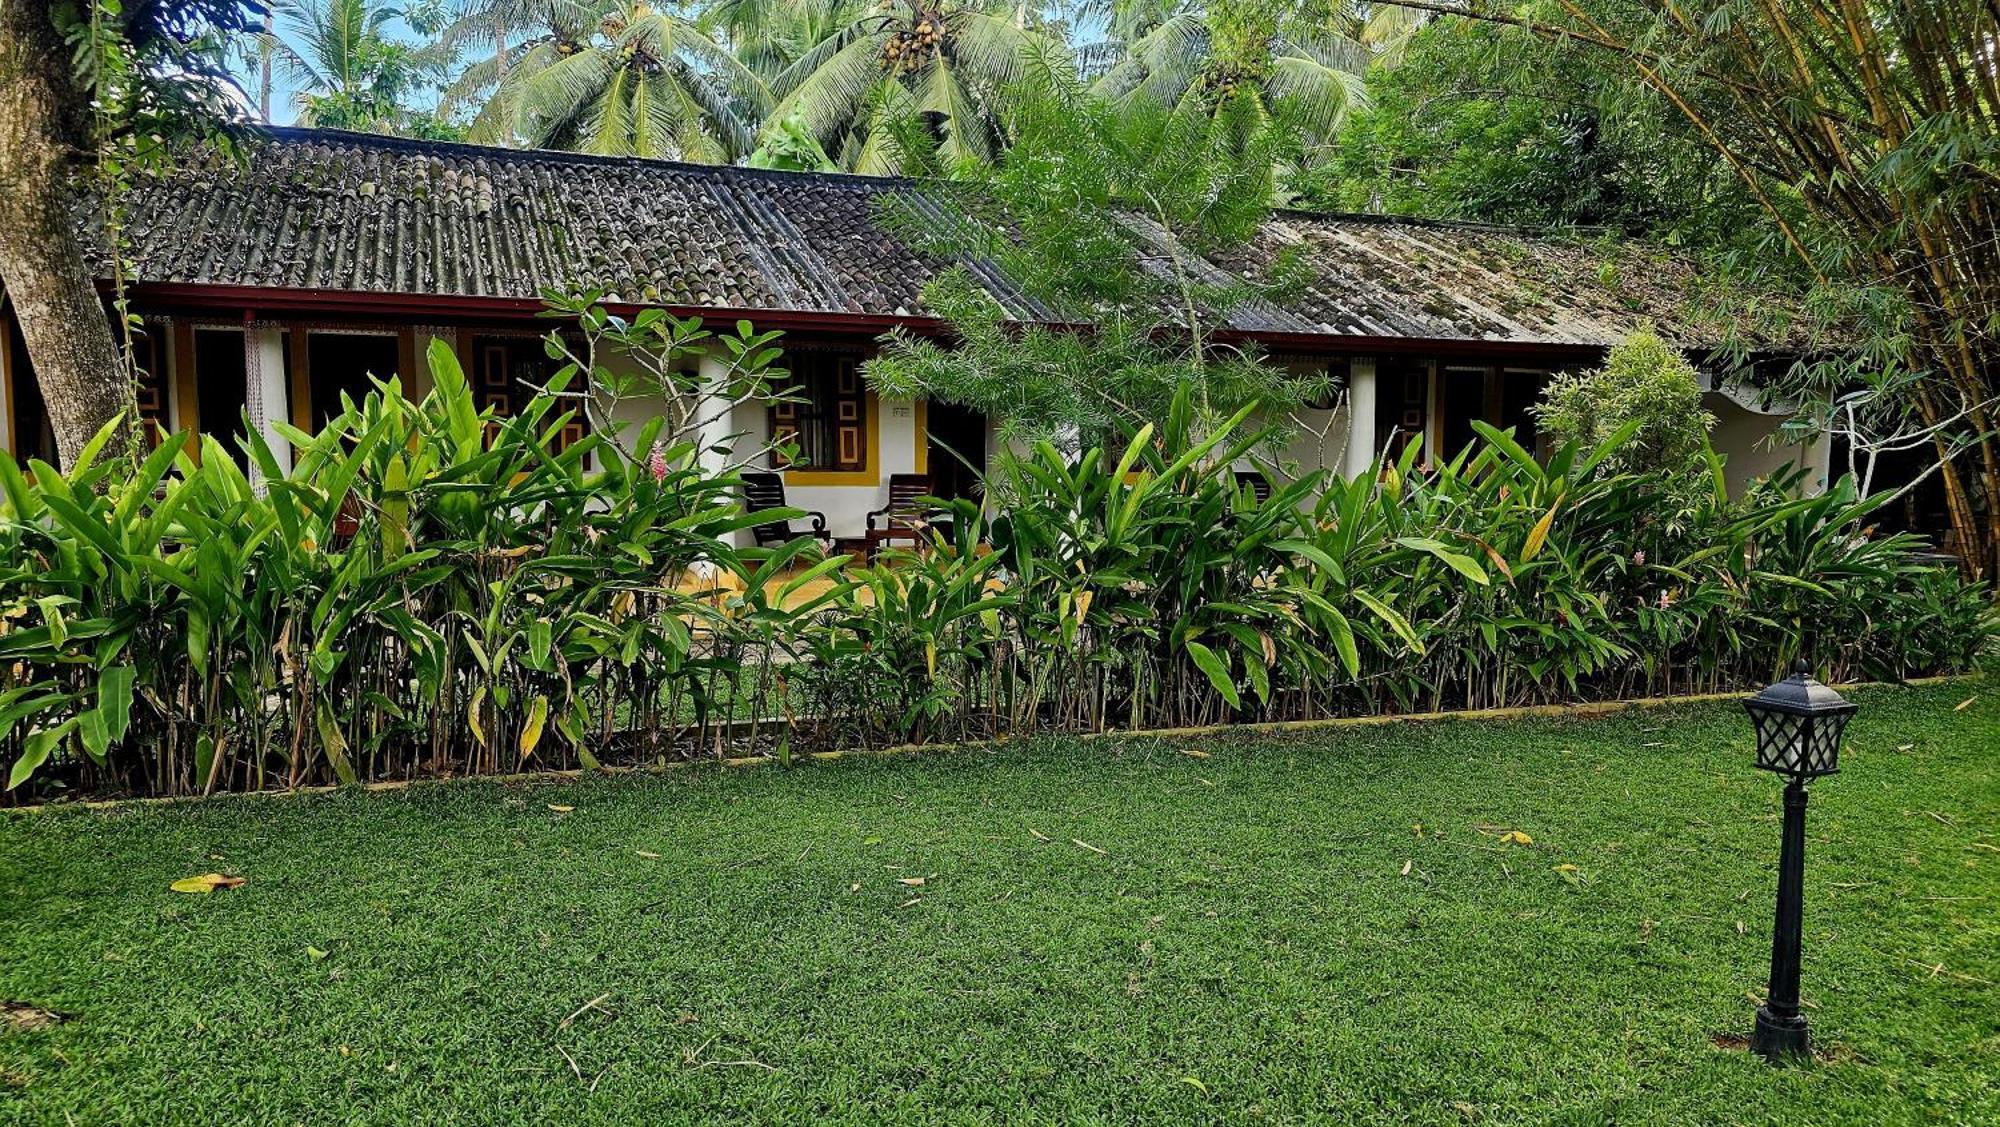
column 763, row 492
column 1256, row 482
column 905, row 510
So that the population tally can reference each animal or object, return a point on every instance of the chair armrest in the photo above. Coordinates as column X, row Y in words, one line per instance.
column 818, row 523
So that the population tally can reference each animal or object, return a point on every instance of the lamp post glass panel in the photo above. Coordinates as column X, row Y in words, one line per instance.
column 1799, row 722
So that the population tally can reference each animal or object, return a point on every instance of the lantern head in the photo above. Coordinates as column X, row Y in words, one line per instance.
column 1799, row 722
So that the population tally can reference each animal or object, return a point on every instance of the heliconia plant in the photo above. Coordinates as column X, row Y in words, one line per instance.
column 427, row 589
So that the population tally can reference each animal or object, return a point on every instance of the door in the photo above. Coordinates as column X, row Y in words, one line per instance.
column 956, row 450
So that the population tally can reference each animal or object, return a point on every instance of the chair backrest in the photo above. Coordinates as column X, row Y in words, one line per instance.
column 904, row 491
column 763, row 491
column 1256, row 482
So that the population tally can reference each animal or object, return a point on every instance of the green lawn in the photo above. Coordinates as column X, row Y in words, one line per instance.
column 1321, row 927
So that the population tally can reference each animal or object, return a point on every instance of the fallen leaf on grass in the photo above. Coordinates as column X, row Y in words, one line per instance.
column 855, row 887
column 23, row 1017
column 1080, row 843
column 1193, row 754
column 1905, row 747
column 1417, row 828
column 1407, row 866
column 1516, row 837
column 1197, row 1085
column 206, row 883
column 910, row 901
column 647, row 854
column 913, row 882
column 560, row 809
column 315, row 954
column 1037, row 834
column 1966, row 703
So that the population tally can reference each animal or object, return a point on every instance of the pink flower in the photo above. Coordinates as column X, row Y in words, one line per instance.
column 657, row 462
column 1639, row 557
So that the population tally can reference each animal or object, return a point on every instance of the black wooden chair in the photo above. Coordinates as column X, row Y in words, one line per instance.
column 905, row 510
column 1256, row 482
column 763, row 492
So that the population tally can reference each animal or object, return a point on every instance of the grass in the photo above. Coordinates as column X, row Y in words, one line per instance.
column 1266, row 936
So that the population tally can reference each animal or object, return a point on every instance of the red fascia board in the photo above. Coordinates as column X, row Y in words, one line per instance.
column 248, row 302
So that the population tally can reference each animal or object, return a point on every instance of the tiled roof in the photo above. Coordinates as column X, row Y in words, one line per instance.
column 326, row 210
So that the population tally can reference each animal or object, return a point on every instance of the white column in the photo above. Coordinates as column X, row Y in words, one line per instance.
column 266, row 399
column 1818, row 457
column 1360, row 416
column 713, row 435
column 716, row 424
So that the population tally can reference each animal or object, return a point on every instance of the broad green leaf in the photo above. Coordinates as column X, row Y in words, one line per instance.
column 1217, row 670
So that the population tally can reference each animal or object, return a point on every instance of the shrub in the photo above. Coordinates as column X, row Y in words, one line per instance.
column 429, row 590
column 1644, row 382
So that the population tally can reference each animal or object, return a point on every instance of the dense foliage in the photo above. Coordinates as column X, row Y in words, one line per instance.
column 432, row 591
column 1092, row 214
column 1649, row 386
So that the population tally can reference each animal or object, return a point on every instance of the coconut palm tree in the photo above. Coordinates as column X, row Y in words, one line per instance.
column 1308, row 59
column 950, row 62
column 349, row 71
column 619, row 79
column 768, row 36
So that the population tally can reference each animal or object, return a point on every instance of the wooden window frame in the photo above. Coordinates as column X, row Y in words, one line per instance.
column 867, row 432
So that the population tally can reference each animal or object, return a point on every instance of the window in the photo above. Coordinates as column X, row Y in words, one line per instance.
column 29, row 433
column 1402, row 404
column 509, row 371
column 827, row 421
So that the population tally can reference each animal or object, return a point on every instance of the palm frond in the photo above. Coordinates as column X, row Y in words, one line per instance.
column 1318, row 96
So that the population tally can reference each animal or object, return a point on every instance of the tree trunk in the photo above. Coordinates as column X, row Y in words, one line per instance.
column 62, row 319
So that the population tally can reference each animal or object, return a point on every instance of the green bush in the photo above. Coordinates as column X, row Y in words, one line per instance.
column 429, row 590
column 1644, row 382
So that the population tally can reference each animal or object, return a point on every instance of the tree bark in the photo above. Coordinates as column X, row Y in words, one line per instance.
column 62, row 320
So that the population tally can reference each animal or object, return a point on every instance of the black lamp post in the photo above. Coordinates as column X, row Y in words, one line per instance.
column 1799, row 722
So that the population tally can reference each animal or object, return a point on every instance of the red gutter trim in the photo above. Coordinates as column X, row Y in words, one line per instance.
column 263, row 301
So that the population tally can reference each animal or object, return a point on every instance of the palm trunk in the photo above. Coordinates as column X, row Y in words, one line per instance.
column 63, row 322
column 264, row 71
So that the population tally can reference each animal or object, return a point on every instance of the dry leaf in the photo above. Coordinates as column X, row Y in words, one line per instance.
column 913, row 882
column 1037, row 834
column 1193, row 754
column 1086, row 845
column 206, row 883
column 1407, row 866
column 855, row 887
column 1904, row 747
column 561, row 809
column 647, row 854
column 1966, row 703
column 1516, row 837
column 1566, row 868
column 1195, row 1084
column 910, row 901
column 27, row 1018
column 1417, row 828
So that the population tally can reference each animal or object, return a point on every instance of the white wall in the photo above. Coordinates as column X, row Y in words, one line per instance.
column 1750, row 444
column 846, row 506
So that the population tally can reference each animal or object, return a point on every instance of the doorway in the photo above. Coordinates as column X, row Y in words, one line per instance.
column 338, row 362
column 956, row 442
